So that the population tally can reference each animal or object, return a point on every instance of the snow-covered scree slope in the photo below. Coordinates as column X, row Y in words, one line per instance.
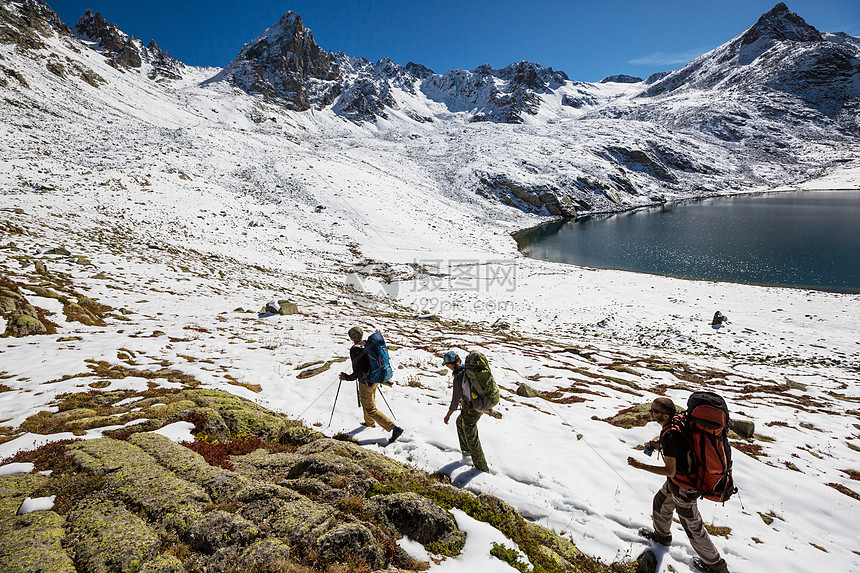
column 191, row 201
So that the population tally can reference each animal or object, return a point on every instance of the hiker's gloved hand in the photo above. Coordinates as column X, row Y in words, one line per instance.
column 343, row 375
column 447, row 416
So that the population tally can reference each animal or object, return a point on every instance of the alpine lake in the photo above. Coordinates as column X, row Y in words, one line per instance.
column 801, row 239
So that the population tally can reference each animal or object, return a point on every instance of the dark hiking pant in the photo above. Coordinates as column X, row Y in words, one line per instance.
column 672, row 498
column 467, row 432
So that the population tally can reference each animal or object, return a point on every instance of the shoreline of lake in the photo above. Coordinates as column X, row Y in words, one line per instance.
column 827, row 266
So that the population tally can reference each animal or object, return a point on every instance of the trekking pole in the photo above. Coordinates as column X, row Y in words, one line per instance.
column 335, row 403
column 357, row 394
column 386, row 403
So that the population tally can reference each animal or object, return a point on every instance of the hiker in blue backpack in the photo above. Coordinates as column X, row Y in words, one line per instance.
column 672, row 498
column 467, row 421
column 362, row 371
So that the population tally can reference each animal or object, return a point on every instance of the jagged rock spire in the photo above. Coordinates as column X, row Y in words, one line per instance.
column 781, row 24
column 281, row 63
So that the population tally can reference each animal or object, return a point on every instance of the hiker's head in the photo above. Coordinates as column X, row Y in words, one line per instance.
column 356, row 334
column 451, row 359
column 662, row 409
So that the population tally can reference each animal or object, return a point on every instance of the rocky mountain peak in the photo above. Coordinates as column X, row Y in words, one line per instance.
column 781, row 24
column 26, row 22
column 285, row 64
column 127, row 51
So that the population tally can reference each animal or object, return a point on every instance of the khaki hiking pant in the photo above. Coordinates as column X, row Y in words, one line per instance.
column 467, row 432
column 372, row 416
column 673, row 498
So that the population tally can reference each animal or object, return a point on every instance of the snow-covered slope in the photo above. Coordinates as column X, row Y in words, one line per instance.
column 180, row 201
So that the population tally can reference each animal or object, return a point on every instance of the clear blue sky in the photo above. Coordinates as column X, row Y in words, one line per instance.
column 587, row 39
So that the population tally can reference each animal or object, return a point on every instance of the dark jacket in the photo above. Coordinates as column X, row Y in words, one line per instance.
column 360, row 364
column 674, row 445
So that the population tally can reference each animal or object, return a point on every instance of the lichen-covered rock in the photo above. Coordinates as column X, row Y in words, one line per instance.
column 351, row 543
column 190, row 465
column 376, row 463
column 31, row 543
column 14, row 488
column 263, row 465
column 293, row 517
column 527, row 391
column 265, row 556
column 240, row 416
column 163, row 564
column 219, row 529
column 24, row 325
column 743, row 428
column 108, row 538
column 77, row 313
column 299, row 436
column 137, row 479
column 554, row 542
column 420, row 519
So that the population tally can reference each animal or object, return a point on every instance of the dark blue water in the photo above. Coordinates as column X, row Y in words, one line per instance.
column 808, row 239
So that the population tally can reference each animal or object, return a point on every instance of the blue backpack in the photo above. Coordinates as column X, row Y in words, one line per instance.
column 377, row 353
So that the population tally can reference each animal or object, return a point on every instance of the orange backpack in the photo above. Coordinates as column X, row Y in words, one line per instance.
column 705, row 424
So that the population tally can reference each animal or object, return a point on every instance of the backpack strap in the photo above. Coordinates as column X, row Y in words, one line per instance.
column 679, row 423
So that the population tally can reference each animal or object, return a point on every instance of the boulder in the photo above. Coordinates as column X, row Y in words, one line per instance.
column 743, row 428
column 527, row 391
column 219, row 529
column 265, row 556
column 646, row 562
column 420, row 519
column 107, row 537
column 282, row 307
column 32, row 540
column 351, row 542
column 24, row 325
column 719, row 318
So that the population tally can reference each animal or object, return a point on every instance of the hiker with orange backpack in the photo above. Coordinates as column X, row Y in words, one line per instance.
column 682, row 488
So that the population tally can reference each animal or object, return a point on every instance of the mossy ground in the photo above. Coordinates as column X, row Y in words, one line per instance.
column 142, row 487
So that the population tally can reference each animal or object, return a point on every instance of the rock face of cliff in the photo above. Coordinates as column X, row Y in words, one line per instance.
column 127, row 51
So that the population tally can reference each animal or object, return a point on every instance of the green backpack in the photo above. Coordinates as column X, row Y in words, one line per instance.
column 485, row 393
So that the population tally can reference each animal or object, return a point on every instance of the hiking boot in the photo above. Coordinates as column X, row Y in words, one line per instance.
column 718, row 567
column 395, row 433
column 655, row 537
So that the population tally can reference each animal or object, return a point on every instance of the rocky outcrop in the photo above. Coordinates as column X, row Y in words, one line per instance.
column 26, row 23
column 22, row 318
column 140, row 502
column 127, row 51
column 540, row 199
column 621, row 79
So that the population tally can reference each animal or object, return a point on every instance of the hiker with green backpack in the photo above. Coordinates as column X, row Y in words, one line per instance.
column 476, row 393
column 370, row 367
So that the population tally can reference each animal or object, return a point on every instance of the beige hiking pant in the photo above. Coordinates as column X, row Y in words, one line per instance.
column 372, row 416
column 672, row 498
